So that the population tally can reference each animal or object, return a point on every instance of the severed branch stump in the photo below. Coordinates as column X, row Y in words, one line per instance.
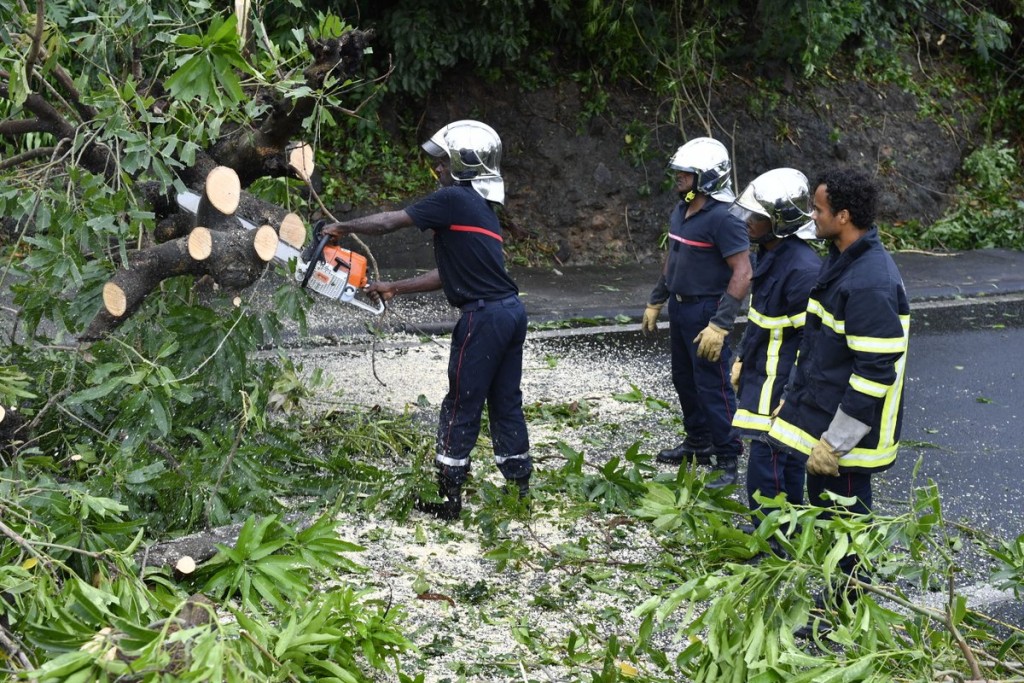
column 216, row 246
column 201, row 546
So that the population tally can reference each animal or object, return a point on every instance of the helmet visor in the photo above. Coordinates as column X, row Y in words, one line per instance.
column 433, row 149
column 743, row 213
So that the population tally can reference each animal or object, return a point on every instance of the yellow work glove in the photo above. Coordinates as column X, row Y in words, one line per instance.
column 823, row 461
column 734, row 376
column 710, row 341
column 650, row 321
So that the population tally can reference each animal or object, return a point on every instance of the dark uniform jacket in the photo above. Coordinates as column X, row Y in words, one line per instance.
column 853, row 355
column 783, row 277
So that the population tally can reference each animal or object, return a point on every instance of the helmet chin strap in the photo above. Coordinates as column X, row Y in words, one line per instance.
column 689, row 196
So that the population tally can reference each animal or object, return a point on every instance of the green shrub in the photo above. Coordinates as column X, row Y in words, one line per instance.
column 988, row 210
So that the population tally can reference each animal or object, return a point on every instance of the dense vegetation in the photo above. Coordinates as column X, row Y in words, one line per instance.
column 174, row 424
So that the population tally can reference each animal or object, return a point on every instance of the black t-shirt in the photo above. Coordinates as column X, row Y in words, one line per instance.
column 467, row 244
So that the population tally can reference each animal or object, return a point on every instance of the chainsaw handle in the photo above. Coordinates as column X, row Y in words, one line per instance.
column 376, row 310
column 314, row 258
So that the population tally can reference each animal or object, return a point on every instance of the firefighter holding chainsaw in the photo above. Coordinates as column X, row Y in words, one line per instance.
column 705, row 279
column 776, row 207
column 486, row 356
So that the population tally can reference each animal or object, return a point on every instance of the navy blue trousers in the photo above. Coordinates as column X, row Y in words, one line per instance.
column 850, row 484
column 485, row 364
column 705, row 392
column 771, row 470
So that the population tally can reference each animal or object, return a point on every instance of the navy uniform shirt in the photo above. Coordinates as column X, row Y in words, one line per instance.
column 467, row 244
column 698, row 247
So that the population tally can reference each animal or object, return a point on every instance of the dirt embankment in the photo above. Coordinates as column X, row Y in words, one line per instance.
column 593, row 189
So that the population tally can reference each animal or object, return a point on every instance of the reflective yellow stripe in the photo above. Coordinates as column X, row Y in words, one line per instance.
column 827, row 319
column 866, row 386
column 744, row 419
column 870, row 457
column 802, row 442
column 792, row 436
column 767, row 322
column 891, row 406
column 877, row 344
column 771, row 369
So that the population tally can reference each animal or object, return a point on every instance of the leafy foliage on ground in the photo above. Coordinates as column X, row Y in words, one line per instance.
column 678, row 591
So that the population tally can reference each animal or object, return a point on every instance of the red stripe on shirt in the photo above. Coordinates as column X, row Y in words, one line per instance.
column 482, row 231
column 692, row 243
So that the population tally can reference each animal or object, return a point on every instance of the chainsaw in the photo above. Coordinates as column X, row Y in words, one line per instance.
column 328, row 270
column 334, row 272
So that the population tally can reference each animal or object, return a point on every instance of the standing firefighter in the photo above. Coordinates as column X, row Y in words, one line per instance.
column 776, row 207
column 843, row 407
column 486, row 358
column 705, row 279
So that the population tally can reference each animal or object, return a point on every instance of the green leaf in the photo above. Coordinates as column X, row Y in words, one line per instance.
column 96, row 392
column 146, row 474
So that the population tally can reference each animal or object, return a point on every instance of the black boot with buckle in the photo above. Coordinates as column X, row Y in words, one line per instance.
column 725, row 466
column 689, row 449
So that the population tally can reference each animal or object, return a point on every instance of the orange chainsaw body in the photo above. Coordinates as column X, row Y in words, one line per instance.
column 340, row 275
column 341, row 261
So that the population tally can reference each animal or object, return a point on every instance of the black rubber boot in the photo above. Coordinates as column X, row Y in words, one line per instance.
column 726, row 468
column 689, row 449
column 450, row 506
column 520, row 486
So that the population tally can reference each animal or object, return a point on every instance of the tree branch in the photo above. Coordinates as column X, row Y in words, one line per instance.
column 13, row 127
column 37, row 39
column 31, row 154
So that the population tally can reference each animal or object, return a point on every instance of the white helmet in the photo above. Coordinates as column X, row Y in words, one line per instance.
column 708, row 159
column 781, row 195
column 474, row 150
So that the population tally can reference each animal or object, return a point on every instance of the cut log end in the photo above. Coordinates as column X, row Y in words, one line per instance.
column 224, row 189
column 185, row 565
column 301, row 159
column 265, row 243
column 293, row 231
column 114, row 299
column 200, row 244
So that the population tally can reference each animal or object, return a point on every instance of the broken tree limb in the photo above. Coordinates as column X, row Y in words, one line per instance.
column 147, row 268
column 219, row 200
column 224, row 248
column 202, row 546
column 234, row 261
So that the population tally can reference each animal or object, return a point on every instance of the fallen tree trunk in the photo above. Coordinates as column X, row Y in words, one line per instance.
column 201, row 546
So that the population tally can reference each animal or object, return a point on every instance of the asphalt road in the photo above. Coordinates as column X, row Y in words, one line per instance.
column 964, row 416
